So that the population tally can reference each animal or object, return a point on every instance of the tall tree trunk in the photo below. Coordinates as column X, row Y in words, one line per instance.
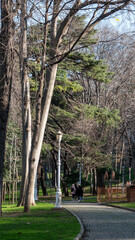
column 26, row 110
column 91, row 181
column 36, row 145
column 100, row 178
column 6, row 75
column 41, row 179
column 41, row 119
column 122, row 154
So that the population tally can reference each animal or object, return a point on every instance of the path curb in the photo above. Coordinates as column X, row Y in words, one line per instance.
column 124, row 208
column 79, row 236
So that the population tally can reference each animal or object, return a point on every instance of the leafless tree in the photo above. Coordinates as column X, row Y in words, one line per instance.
column 118, row 50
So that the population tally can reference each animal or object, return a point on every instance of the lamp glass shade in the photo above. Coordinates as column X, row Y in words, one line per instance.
column 59, row 136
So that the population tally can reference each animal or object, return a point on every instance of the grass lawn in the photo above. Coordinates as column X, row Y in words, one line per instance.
column 44, row 222
column 128, row 205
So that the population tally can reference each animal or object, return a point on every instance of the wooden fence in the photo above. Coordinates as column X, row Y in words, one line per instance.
column 112, row 194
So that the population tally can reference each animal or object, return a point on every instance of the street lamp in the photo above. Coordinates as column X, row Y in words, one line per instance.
column 58, row 192
column 123, row 172
column 35, row 189
column 80, row 166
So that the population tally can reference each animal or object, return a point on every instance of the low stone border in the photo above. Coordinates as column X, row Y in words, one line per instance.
column 79, row 236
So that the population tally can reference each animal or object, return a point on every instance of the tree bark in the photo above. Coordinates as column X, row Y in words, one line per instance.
column 36, row 146
column 41, row 123
column 100, row 178
column 26, row 109
column 6, row 75
column 41, row 179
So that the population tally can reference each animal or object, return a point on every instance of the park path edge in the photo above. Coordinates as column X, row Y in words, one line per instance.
column 80, row 234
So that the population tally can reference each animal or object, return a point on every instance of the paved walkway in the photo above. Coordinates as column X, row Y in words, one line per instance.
column 104, row 223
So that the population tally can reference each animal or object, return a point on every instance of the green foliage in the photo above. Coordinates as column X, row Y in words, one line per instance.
column 78, row 61
column 34, row 66
column 63, row 113
column 102, row 115
column 58, row 101
column 64, row 84
column 100, row 72
column 34, row 70
column 86, row 63
column 73, row 177
column 46, row 147
column 72, row 140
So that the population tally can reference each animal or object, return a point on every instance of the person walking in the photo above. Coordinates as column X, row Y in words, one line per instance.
column 79, row 192
column 73, row 191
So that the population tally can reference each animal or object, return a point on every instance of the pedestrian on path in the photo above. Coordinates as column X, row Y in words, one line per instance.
column 73, row 191
column 79, row 192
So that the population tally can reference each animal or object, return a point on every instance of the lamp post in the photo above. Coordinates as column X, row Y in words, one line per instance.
column 130, row 175
column 58, row 192
column 123, row 172
column 35, row 189
column 80, row 166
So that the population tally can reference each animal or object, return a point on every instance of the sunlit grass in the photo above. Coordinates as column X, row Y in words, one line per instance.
column 90, row 199
column 128, row 205
column 44, row 222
